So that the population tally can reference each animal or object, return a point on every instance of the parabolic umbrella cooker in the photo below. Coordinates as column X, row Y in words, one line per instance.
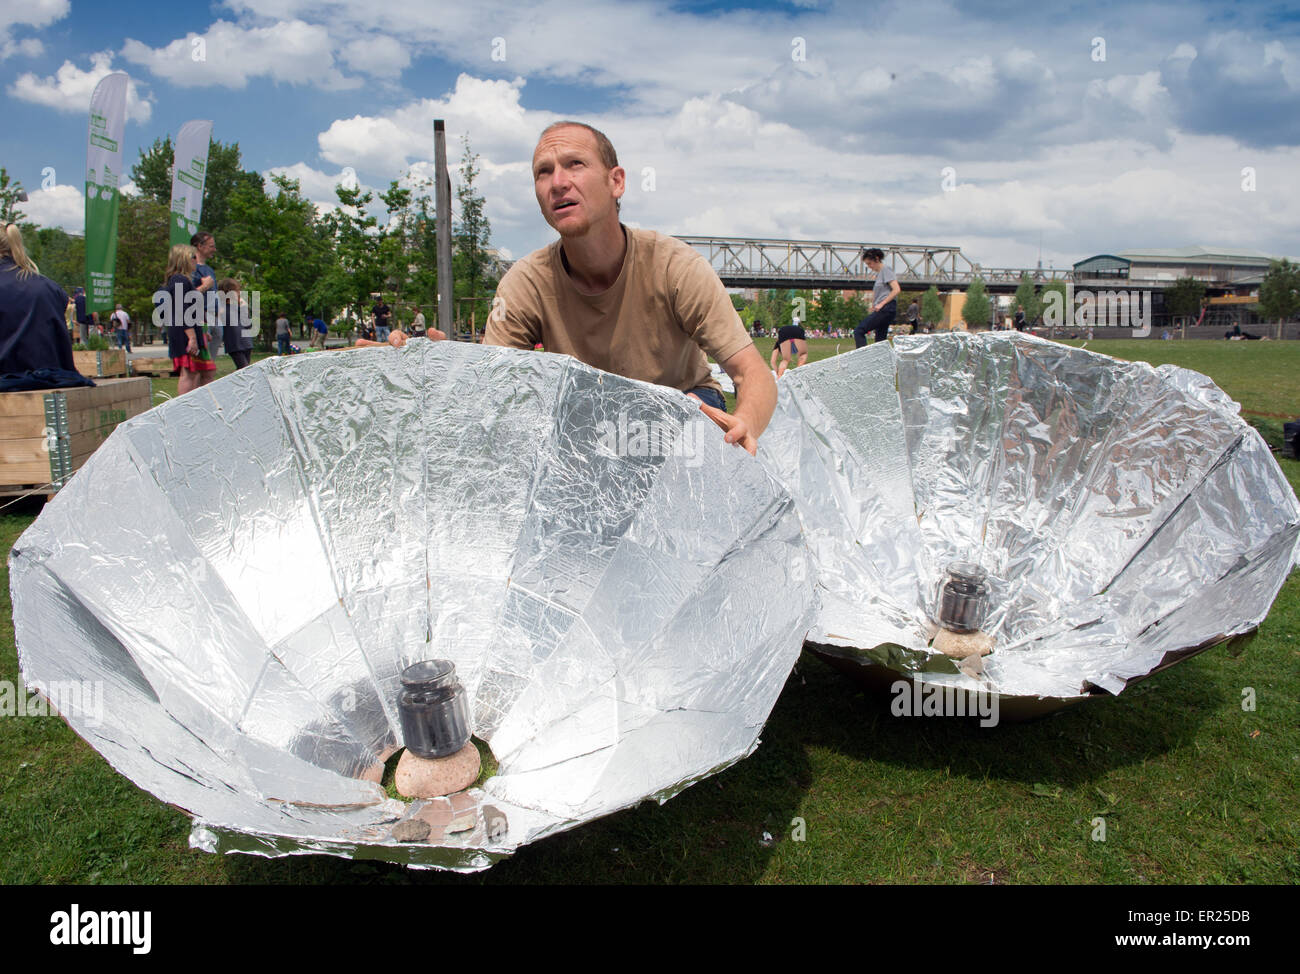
column 1115, row 517
column 248, row 569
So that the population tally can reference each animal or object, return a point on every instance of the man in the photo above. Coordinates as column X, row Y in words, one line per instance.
column 86, row 321
column 914, row 316
column 383, row 318
column 318, row 332
column 629, row 301
column 122, row 325
column 205, row 245
column 282, row 333
column 884, row 306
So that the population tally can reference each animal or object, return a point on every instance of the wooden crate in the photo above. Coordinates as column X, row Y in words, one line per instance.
column 96, row 365
column 153, row 366
column 45, row 436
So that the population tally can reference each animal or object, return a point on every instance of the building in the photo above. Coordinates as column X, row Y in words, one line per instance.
column 1223, row 272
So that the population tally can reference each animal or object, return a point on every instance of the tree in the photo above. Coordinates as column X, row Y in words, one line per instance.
column 1279, row 293
column 60, row 256
column 1026, row 299
column 11, row 194
column 472, row 237
column 932, row 307
column 1184, row 297
column 152, row 173
column 141, row 255
column 976, row 310
column 280, row 236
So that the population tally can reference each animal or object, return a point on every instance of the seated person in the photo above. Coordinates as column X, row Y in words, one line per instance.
column 33, row 334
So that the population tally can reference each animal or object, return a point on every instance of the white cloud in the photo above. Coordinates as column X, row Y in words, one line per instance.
column 378, row 55
column 489, row 111
column 61, row 205
column 27, row 47
column 28, row 13
column 229, row 55
column 70, row 88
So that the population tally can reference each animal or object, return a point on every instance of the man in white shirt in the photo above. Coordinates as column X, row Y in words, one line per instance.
column 122, row 322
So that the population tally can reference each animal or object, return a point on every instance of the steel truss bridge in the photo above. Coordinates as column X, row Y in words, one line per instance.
column 757, row 263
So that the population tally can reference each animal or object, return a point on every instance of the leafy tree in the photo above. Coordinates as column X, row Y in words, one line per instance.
column 1184, row 297
column 976, row 310
column 60, row 256
column 1026, row 299
column 1279, row 292
column 279, row 234
column 152, row 173
column 827, row 311
column 932, row 307
column 471, row 240
column 357, row 270
column 141, row 255
column 11, row 194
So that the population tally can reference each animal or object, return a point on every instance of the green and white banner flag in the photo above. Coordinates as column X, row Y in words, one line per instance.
column 188, row 173
column 103, row 174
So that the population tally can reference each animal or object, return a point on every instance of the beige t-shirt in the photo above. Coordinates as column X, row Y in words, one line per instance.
column 657, row 321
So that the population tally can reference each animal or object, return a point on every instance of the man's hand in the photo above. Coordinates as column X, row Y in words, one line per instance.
column 755, row 398
column 735, row 427
column 206, row 283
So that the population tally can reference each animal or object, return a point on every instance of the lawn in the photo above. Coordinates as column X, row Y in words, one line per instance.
column 1192, row 787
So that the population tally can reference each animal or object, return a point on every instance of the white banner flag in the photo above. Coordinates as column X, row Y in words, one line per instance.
column 189, row 171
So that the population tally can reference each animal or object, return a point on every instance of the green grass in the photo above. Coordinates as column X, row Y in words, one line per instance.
column 1193, row 788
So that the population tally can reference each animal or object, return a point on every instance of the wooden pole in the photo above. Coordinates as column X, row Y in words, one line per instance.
column 442, row 200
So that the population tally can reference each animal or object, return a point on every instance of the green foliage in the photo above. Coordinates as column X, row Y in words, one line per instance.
column 1184, row 296
column 93, row 343
column 976, row 311
column 470, row 243
column 60, row 256
column 10, row 193
column 280, row 237
column 152, row 173
column 932, row 307
column 141, row 254
column 1026, row 299
column 1279, row 292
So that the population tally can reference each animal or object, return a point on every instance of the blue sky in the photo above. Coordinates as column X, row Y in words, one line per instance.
column 1082, row 129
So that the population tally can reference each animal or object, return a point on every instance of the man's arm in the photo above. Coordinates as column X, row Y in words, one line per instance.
column 755, row 399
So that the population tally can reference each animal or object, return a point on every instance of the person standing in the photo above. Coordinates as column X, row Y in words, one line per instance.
column 186, row 339
column 318, row 333
column 383, row 319
column 86, row 320
column 418, row 325
column 884, row 306
column 236, row 330
column 205, row 248
column 914, row 316
column 122, row 326
column 283, row 333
